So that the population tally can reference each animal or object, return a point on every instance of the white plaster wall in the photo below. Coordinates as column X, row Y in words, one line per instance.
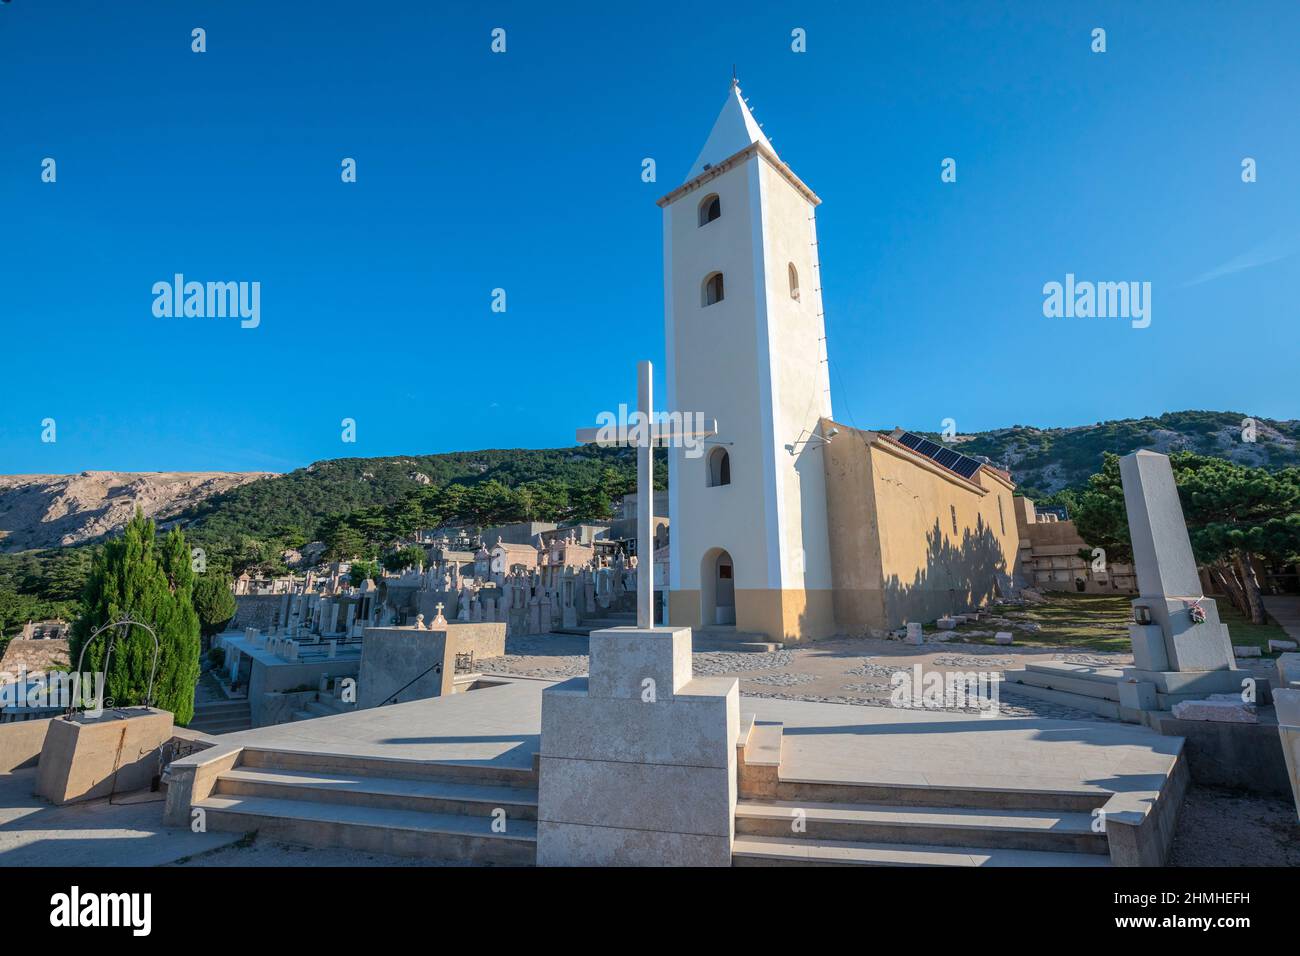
column 801, row 380
column 714, row 370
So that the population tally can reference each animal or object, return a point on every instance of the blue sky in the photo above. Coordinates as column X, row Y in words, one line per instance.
column 522, row 171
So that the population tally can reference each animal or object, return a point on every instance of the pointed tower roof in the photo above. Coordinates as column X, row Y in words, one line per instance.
column 734, row 130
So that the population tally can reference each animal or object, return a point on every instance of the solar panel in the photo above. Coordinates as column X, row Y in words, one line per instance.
column 955, row 461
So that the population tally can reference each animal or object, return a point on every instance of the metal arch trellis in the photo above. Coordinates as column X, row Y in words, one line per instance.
column 123, row 625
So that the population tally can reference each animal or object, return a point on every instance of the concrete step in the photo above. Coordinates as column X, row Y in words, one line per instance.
column 302, row 715
column 1100, row 690
column 429, row 796
column 1104, row 675
column 1093, row 705
column 259, row 758
column 1081, row 798
column 452, row 837
column 221, row 707
column 318, row 709
column 729, row 639
column 221, row 726
column 776, row 851
column 1050, row 830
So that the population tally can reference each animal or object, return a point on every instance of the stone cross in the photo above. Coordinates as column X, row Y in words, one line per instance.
column 645, row 433
column 439, row 620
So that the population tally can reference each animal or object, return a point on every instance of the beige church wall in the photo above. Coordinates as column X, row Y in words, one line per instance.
column 780, row 615
column 927, row 568
column 799, row 382
column 807, row 615
column 893, row 551
column 854, row 539
column 684, row 608
column 714, row 371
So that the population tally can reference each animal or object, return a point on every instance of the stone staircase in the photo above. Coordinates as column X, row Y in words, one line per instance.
column 722, row 638
column 784, row 822
column 214, row 713
column 326, row 704
column 448, row 812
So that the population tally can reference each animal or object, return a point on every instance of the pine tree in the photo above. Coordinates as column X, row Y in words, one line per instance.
column 214, row 601
column 152, row 582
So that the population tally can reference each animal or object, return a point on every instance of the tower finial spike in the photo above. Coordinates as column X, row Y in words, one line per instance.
column 734, row 82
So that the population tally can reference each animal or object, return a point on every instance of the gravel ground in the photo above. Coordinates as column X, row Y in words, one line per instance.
column 1227, row 828
column 825, row 671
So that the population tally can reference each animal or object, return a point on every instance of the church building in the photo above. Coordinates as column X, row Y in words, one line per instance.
column 791, row 525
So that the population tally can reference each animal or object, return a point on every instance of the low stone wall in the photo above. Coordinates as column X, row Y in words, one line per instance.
column 1140, row 825
column 255, row 610
column 485, row 639
column 21, row 742
column 266, row 680
column 393, row 657
column 279, row 707
column 1237, row 756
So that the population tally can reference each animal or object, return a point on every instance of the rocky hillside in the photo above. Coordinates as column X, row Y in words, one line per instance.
column 46, row 511
column 41, row 511
column 1046, row 460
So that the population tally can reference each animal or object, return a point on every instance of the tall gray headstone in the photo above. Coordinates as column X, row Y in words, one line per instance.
column 1168, row 584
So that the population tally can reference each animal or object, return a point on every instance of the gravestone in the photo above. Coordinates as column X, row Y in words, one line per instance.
column 1184, row 652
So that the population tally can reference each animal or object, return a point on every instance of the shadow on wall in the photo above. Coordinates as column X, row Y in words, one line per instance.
column 954, row 579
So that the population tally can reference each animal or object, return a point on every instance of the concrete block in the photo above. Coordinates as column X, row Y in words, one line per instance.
column 1287, row 703
column 946, row 623
column 637, row 796
column 569, row 844
column 689, row 729
column 1148, row 647
column 1004, row 637
column 1277, row 647
column 1246, row 650
column 1199, row 683
column 1137, row 695
column 624, row 658
column 1226, row 707
column 915, row 634
column 91, row 757
column 1288, row 669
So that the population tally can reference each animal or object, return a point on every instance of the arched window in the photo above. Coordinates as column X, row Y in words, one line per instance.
column 794, row 281
column 710, row 209
column 719, row 467
column 713, row 289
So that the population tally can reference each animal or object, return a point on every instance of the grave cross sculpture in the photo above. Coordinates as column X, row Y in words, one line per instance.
column 645, row 431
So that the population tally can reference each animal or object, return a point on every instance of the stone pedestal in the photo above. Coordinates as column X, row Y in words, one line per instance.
column 1175, row 657
column 638, row 760
column 1287, row 704
column 87, row 758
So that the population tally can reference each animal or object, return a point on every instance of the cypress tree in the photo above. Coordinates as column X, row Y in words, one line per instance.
column 153, row 582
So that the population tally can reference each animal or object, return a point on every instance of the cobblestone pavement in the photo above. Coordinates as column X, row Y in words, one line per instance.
column 842, row 671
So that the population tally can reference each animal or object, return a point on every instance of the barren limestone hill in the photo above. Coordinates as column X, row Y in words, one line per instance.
column 47, row 511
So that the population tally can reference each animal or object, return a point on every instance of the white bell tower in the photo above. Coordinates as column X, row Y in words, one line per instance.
column 746, row 344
